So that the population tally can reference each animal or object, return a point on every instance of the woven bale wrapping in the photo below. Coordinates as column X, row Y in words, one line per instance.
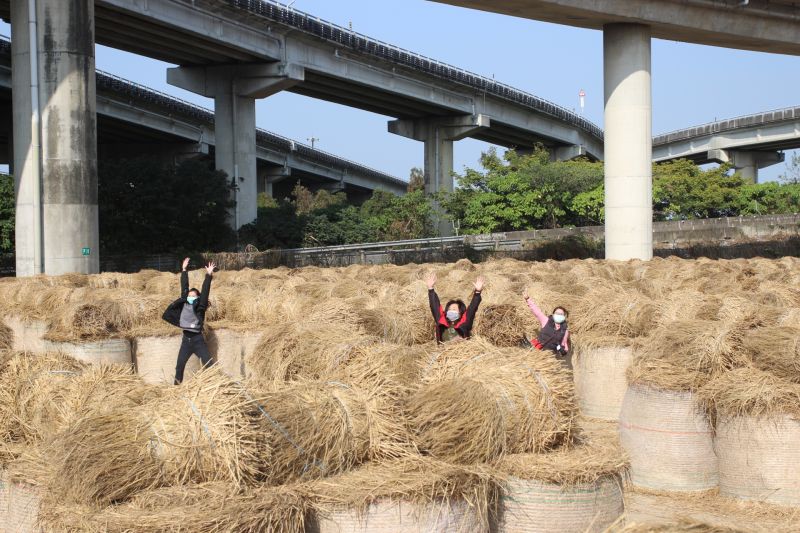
column 28, row 335
column 668, row 438
column 538, row 507
column 759, row 458
column 4, row 490
column 111, row 351
column 250, row 340
column 392, row 516
column 226, row 347
column 23, row 508
column 600, row 382
column 156, row 358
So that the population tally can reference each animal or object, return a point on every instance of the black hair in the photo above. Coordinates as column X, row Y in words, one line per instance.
column 195, row 290
column 566, row 313
column 462, row 307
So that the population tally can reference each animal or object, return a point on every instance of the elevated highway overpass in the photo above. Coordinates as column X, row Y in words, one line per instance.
column 628, row 26
column 234, row 51
column 135, row 120
column 748, row 142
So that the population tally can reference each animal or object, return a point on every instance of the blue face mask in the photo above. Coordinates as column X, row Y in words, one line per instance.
column 558, row 319
column 452, row 316
column 191, row 299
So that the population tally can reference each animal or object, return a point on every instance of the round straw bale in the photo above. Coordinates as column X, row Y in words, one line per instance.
column 302, row 351
column 706, row 348
column 31, row 394
column 96, row 313
column 600, row 381
column 411, row 494
column 614, row 310
column 203, row 430
column 101, row 352
column 775, row 349
column 668, row 438
column 478, row 402
column 315, row 429
column 401, row 322
column 156, row 358
column 504, row 324
column 571, row 489
column 203, row 508
column 23, row 508
column 759, row 458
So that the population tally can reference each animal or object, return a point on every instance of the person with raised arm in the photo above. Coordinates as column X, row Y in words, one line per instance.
column 454, row 320
column 554, row 335
column 188, row 313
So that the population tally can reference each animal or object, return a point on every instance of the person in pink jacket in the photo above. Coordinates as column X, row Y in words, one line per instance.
column 554, row 335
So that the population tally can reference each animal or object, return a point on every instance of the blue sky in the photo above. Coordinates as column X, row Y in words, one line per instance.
column 692, row 84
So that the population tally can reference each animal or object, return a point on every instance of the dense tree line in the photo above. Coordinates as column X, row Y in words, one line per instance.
column 147, row 207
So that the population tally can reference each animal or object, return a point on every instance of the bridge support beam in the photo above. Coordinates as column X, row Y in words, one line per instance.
column 438, row 134
column 628, row 142
column 747, row 162
column 567, row 153
column 235, row 89
column 55, row 137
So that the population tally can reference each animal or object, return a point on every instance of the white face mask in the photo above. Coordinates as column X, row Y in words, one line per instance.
column 558, row 319
column 452, row 316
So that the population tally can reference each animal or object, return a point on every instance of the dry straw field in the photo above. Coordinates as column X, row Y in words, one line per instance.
column 331, row 408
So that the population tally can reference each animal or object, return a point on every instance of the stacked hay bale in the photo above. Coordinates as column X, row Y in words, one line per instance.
column 338, row 401
column 403, row 496
column 478, row 402
column 571, row 489
column 757, row 431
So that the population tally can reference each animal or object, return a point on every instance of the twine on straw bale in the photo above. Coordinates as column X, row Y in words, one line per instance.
column 478, row 402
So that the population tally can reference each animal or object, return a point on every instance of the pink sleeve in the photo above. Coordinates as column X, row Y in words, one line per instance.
column 537, row 312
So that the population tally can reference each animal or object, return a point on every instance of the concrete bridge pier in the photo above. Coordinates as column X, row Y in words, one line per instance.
column 55, row 136
column 628, row 142
column 438, row 134
column 747, row 162
column 235, row 89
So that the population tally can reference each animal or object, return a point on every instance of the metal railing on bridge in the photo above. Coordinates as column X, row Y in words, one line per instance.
column 729, row 124
column 275, row 12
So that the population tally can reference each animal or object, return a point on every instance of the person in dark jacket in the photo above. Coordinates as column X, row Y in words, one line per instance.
column 554, row 335
column 454, row 320
column 188, row 313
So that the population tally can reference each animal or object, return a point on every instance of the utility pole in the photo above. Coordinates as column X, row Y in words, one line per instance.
column 313, row 141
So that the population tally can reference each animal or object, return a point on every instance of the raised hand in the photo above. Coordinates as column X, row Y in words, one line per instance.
column 210, row 268
column 431, row 280
column 525, row 293
column 479, row 284
column 185, row 264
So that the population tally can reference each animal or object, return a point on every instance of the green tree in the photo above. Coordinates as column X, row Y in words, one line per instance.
column 792, row 173
column 681, row 189
column 148, row 207
column 7, row 210
column 517, row 191
column 416, row 180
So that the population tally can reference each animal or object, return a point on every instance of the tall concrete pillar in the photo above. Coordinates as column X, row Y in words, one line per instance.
column 628, row 142
column 235, row 89
column 747, row 162
column 55, row 136
column 438, row 134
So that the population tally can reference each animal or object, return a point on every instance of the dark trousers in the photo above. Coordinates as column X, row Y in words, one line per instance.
column 192, row 343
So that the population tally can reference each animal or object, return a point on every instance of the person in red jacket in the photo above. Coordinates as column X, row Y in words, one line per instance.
column 454, row 320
